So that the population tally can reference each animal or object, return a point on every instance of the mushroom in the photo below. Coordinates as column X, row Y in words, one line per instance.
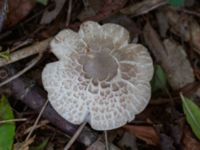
column 99, row 78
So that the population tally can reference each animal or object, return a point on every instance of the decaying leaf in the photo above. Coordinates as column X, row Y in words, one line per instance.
column 185, row 27
column 18, row 10
column 189, row 142
column 146, row 133
column 179, row 71
column 172, row 58
column 143, row 7
column 128, row 141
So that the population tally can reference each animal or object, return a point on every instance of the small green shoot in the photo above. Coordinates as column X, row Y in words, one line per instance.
column 5, row 55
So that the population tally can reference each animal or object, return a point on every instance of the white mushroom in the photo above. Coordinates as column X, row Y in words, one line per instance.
column 100, row 78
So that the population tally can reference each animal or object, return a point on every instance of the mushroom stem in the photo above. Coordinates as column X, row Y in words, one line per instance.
column 75, row 136
column 106, row 140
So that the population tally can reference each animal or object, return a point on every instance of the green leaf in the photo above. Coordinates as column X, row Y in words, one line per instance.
column 159, row 81
column 192, row 112
column 177, row 3
column 43, row 2
column 41, row 146
column 5, row 55
column 7, row 130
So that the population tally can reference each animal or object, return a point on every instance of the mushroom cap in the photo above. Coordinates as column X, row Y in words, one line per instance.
column 99, row 78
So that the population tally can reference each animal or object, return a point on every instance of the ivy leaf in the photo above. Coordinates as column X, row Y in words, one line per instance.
column 7, row 130
column 43, row 2
column 192, row 112
column 159, row 81
column 177, row 3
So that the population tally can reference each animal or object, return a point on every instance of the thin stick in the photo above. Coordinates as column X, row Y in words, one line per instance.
column 69, row 12
column 36, row 121
column 75, row 136
column 106, row 140
column 32, row 64
column 26, row 52
column 12, row 120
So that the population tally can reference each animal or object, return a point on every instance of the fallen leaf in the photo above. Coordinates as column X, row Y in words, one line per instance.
column 145, row 133
column 189, row 142
column 7, row 130
column 179, row 71
column 18, row 10
column 185, row 27
column 192, row 112
column 159, row 81
column 142, row 7
column 171, row 56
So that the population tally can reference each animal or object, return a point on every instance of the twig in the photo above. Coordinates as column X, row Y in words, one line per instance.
column 36, row 121
column 190, row 12
column 32, row 64
column 69, row 12
column 34, row 97
column 12, row 120
column 26, row 52
column 75, row 136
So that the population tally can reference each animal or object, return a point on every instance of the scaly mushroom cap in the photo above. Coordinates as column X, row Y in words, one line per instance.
column 99, row 77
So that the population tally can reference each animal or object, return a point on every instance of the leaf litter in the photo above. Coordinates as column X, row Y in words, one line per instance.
column 171, row 31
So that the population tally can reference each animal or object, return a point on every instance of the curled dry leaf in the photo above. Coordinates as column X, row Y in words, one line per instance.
column 145, row 133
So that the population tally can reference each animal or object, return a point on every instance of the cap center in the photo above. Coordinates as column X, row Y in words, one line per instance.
column 99, row 65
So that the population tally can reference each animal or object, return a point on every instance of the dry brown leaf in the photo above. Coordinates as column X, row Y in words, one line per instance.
column 189, row 142
column 143, row 7
column 145, row 133
column 186, row 27
column 171, row 56
column 18, row 10
column 179, row 72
